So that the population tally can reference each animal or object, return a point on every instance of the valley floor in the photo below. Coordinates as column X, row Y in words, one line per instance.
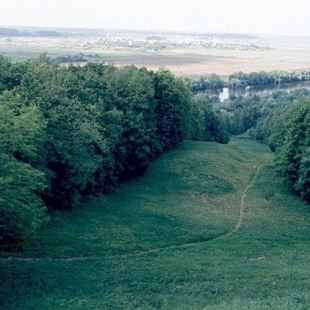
column 209, row 226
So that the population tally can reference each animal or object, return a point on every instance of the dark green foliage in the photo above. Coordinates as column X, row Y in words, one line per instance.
column 292, row 148
column 71, row 131
column 76, row 151
column 244, row 113
column 254, row 116
column 208, row 123
column 10, row 73
column 282, row 120
column 172, row 110
column 133, row 97
column 103, row 124
column 203, row 83
column 21, row 207
column 70, row 59
column 215, row 126
column 240, row 79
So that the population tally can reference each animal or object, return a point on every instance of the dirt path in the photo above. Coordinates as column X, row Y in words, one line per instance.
column 169, row 247
column 244, row 194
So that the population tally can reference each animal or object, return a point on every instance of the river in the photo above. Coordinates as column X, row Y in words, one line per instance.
column 262, row 89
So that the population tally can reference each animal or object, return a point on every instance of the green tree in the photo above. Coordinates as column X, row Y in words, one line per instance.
column 21, row 208
column 210, row 123
column 292, row 149
column 172, row 110
column 215, row 126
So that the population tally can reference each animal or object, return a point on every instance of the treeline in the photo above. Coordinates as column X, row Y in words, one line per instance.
column 71, row 131
column 203, row 83
column 240, row 79
column 70, row 59
column 281, row 120
column 12, row 32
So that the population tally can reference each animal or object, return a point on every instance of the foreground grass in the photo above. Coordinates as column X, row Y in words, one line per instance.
column 165, row 241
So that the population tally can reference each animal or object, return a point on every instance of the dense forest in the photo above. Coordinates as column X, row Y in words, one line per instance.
column 71, row 131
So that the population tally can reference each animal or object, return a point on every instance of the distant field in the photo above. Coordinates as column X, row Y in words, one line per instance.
column 196, row 232
column 282, row 55
column 222, row 62
column 184, row 55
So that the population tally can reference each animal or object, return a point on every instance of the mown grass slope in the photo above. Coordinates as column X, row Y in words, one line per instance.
column 167, row 241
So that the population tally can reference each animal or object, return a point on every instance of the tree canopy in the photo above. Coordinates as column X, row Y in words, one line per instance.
column 69, row 131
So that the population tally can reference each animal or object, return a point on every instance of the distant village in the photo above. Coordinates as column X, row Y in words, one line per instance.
column 144, row 41
column 157, row 43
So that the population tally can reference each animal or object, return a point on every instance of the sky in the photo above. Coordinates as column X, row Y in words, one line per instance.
column 281, row 17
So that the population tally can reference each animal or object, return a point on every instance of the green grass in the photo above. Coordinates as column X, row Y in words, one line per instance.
column 164, row 241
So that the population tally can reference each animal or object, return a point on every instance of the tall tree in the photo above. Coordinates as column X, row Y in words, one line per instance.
column 21, row 207
column 292, row 151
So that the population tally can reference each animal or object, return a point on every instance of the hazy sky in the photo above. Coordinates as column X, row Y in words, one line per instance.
column 244, row 16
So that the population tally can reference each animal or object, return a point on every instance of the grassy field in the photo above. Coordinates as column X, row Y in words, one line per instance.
column 196, row 232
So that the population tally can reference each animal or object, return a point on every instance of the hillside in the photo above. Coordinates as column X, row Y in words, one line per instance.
column 209, row 226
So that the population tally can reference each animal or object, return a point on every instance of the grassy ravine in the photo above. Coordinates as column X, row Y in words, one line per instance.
column 165, row 242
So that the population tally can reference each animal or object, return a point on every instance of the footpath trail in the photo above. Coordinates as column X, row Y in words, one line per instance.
column 244, row 194
column 169, row 247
